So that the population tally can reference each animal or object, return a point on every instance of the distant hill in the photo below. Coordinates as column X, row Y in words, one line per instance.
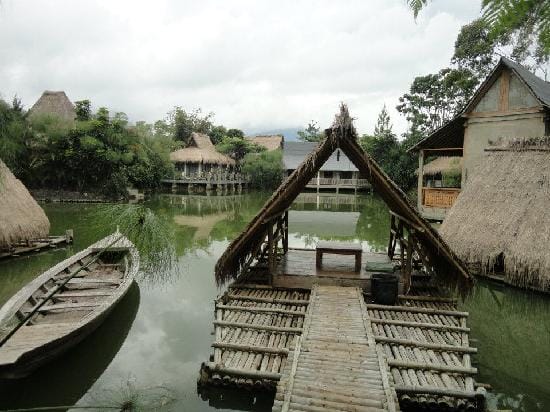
column 289, row 133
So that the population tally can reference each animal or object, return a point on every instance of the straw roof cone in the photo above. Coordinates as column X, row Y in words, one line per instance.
column 270, row 142
column 201, row 150
column 503, row 213
column 54, row 103
column 21, row 218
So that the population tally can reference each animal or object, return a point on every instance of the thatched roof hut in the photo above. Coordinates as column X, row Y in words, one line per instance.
column 21, row 218
column 342, row 136
column 270, row 142
column 54, row 103
column 442, row 164
column 201, row 150
column 503, row 216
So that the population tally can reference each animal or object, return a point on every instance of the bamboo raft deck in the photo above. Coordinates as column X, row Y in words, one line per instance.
column 335, row 365
column 255, row 328
column 36, row 245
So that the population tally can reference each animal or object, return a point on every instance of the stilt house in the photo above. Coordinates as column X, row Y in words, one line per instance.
column 511, row 103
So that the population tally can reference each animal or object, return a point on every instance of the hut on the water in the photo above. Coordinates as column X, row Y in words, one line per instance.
column 200, row 158
column 21, row 218
column 295, row 323
column 500, row 223
column 54, row 103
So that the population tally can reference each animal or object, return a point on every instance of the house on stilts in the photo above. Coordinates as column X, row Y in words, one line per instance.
column 308, row 323
column 500, row 224
column 24, row 226
column 511, row 103
column 200, row 167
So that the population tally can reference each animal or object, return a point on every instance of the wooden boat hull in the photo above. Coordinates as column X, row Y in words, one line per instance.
column 42, row 340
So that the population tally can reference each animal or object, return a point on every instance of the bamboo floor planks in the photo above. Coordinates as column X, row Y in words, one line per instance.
column 334, row 364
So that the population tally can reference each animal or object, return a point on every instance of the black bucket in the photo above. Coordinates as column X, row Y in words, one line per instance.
column 384, row 288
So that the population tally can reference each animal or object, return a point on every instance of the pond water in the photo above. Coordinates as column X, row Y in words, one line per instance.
column 152, row 345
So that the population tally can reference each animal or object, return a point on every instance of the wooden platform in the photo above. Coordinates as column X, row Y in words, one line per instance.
column 297, row 269
column 254, row 330
column 36, row 245
column 335, row 365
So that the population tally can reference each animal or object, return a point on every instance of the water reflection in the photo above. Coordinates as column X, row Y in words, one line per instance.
column 512, row 328
column 66, row 380
column 172, row 332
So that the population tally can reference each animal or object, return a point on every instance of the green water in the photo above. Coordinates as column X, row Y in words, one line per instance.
column 156, row 339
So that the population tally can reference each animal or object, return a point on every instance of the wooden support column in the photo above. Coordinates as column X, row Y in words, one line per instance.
column 391, row 243
column 420, row 178
column 270, row 253
column 408, row 265
column 285, row 232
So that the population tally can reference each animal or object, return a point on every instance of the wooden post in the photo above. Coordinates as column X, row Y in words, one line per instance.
column 408, row 265
column 285, row 233
column 270, row 251
column 391, row 245
column 420, row 178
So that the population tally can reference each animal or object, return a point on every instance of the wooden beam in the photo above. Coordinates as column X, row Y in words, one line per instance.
column 427, row 345
column 260, row 309
column 432, row 367
column 407, row 221
column 432, row 390
column 422, row 325
column 244, row 325
column 250, row 348
column 415, row 309
column 244, row 373
column 269, row 300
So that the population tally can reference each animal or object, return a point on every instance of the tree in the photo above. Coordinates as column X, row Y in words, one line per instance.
column 434, row 99
column 184, row 123
column 312, row 133
column 265, row 169
column 519, row 23
column 237, row 147
column 83, row 110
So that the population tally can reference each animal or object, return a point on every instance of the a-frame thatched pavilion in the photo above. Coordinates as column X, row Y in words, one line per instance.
column 304, row 328
column 266, row 236
column 21, row 218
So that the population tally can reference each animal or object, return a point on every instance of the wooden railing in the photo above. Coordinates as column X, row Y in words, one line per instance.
column 441, row 197
column 338, row 182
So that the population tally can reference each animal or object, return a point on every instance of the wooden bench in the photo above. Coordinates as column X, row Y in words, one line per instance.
column 339, row 248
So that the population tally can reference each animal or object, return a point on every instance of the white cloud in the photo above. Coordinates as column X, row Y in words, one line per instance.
column 256, row 64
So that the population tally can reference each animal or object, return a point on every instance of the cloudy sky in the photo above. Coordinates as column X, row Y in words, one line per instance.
column 258, row 65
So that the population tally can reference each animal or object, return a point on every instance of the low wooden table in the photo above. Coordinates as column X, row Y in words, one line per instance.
column 339, row 248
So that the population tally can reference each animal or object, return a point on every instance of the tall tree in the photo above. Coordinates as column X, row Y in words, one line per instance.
column 312, row 133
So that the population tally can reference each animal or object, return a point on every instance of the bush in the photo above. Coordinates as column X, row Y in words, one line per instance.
column 265, row 169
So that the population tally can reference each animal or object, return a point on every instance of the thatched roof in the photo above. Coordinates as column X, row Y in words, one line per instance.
column 54, row 103
column 201, row 150
column 505, row 210
column 270, row 142
column 341, row 136
column 21, row 218
column 442, row 164
column 452, row 133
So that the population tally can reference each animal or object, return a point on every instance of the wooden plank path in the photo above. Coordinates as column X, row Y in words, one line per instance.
column 335, row 364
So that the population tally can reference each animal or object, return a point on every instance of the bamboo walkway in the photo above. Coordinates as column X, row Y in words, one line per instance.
column 335, row 364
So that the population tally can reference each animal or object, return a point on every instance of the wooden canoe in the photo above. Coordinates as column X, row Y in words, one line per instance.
column 73, row 312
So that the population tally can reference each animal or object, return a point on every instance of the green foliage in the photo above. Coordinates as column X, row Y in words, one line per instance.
column 416, row 6
column 184, row 123
column 83, row 110
column 526, row 20
column 312, row 133
column 237, row 147
column 265, row 169
column 14, row 136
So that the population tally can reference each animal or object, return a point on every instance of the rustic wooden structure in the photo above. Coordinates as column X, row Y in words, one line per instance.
column 200, row 167
column 65, row 304
column 338, row 248
column 36, row 245
column 511, row 103
column 334, row 329
column 54, row 103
